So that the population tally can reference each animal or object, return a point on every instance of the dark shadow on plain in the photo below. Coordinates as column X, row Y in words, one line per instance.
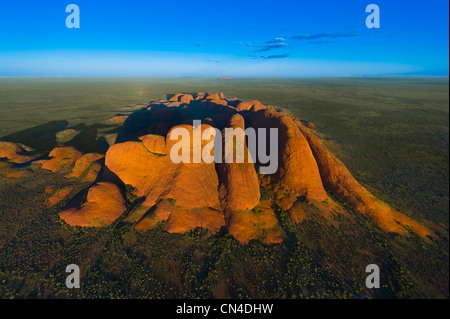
column 42, row 137
column 86, row 141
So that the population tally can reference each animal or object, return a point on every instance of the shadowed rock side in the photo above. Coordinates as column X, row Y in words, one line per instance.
column 182, row 196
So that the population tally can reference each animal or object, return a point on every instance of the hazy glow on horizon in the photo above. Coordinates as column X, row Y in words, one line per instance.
column 260, row 38
column 170, row 64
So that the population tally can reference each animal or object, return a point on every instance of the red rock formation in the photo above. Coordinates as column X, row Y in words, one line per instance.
column 298, row 177
column 250, row 106
column 61, row 158
column 14, row 153
column 212, row 96
column 201, row 194
column 86, row 165
column 186, row 98
column 182, row 98
column 298, row 171
column 175, row 98
column 239, row 184
column 92, row 173
column 156, row 177
column 104, row 205
column 154, row 143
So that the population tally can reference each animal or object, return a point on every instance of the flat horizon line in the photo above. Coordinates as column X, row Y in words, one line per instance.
column 219, row 77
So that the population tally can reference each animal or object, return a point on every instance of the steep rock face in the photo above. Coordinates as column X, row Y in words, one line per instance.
column 156, row 177
column 340, row 181
column 297, row 168
column 239, row 184
column 14, row 153
column 104, row 205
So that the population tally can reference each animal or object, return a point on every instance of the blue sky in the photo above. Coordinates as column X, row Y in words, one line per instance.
column 224, row 38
